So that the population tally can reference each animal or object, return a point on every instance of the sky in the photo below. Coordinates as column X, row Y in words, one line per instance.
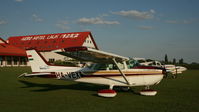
column 133, row 28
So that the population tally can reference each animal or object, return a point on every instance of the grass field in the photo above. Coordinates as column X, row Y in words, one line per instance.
column 49, row 95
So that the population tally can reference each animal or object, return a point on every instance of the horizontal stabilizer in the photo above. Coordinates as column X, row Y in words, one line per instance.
column 45, row 75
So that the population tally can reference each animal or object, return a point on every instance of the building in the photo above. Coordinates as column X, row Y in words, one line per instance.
column 11, row 55
column 46, row 43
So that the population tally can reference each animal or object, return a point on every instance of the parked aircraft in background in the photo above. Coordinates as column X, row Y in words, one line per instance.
column 108, row 69
column 169, row 67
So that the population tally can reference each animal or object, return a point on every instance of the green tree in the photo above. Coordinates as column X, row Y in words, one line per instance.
column 166, row 59
column 174, row 61
column 181, row 61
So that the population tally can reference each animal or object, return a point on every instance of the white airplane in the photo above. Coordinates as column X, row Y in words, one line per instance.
column 169, row 67
column 109, row 69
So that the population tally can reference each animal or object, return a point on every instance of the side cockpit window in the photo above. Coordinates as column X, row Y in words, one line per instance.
column 102, row 66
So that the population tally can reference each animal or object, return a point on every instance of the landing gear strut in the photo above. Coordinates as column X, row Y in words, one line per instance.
column 111, row 87
column 174, row 75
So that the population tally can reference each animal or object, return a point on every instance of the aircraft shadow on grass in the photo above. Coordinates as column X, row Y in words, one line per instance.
column 53, row 87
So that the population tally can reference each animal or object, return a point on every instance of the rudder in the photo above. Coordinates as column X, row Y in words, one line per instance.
column 36, row 60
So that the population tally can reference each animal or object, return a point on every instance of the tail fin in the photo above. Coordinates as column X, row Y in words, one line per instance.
column 37, row 61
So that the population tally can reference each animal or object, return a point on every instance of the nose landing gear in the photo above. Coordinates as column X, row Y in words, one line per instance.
column 148, row 92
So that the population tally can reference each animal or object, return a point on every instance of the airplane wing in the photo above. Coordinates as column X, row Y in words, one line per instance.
column 93, row 55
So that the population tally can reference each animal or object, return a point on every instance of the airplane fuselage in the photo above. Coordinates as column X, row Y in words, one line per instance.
column 136, row 77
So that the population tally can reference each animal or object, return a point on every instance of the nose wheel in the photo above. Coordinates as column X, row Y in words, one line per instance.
column 148, row 92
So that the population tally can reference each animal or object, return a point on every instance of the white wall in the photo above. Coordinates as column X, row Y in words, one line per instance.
column 88, row 42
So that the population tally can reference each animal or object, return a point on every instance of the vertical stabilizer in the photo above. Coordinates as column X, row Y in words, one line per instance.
column 37, row 62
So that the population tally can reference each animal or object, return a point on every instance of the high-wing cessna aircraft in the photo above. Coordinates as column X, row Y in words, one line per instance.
column 170, row 68
column 108, row 69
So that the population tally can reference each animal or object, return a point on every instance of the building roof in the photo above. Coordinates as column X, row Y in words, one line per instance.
column 48, row 42
column 9, row 50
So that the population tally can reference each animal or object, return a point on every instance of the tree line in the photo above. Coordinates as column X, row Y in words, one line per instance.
column 180, row 62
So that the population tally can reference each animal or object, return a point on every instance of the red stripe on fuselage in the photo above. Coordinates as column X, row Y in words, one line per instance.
column 52, row 75
column 116, row 75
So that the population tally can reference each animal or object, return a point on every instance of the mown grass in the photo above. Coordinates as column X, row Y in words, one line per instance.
column 50, row 95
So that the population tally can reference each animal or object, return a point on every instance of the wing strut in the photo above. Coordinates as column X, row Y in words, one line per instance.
column 124, row 76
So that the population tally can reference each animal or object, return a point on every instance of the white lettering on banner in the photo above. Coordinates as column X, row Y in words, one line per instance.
column 47, row 37
column 26, row 38
column 69, row 35
column 52, row 37
column 38, row 38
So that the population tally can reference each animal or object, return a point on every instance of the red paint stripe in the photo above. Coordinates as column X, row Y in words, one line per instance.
column 93, row 76
column 52, row 75
column 115, row 75
column 29, row 55
column 12, row 54
column 107, row 91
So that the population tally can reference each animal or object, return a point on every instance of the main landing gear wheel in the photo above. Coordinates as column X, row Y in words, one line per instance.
column 148, row 92
column 108, row 93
